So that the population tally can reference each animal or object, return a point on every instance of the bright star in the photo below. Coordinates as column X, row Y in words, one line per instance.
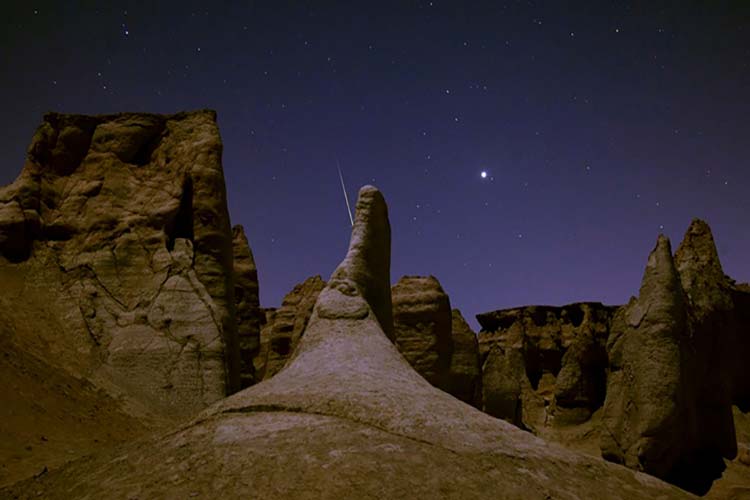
column 483, row 174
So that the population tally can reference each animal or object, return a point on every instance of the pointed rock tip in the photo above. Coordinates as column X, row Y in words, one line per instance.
column 660, row 275
column 238, row 230
column 367, row 263
column 368, row 189
column 698, row 234
column 663, row 248
column 697, row 252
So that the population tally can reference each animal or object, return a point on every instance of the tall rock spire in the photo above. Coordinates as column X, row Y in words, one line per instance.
column 647, row 422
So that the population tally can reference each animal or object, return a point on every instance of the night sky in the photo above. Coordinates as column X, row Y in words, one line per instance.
column 598, row 126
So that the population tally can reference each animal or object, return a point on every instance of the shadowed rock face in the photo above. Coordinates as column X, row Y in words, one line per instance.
column 422, row 324
column 285, row 325
column 465, row 373
column 648, row 419
column 117, row 231
column 543, row 366
column 715, row 331
column 249, row 315
column 347, row 417
column 676, row 369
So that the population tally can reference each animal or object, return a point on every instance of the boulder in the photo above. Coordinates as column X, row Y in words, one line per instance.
column 347, row 417
column 117, row 231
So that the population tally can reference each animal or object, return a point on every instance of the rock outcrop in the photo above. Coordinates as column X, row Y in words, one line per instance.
column 544, row 367
column 653, row 384
column 438, row 343
column 249, row 316
column 117, row 232
column 422, row 324
column 285, row 325
column 716, row 338
column 648, row 422
column 465, row 373
column 678, row 365
column 347, row 417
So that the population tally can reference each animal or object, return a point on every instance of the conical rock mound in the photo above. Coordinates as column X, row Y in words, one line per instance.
column 348, row 418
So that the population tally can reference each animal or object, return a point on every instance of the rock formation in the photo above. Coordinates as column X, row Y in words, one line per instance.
column 543, row 366
column 422, row 324
column 677, row 359
column 648, row 421
column 437, row 343
column 465, row 373
column 347, row 417
column 117, row 233
column 285, row 325
column 715, row 341
column 249, row 315
column 650, row 385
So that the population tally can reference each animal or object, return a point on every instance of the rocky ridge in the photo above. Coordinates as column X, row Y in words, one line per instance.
column 656, row 384
column 347, row 416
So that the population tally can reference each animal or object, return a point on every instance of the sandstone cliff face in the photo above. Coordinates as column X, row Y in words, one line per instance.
column 285, row 325
column 347, row 418
column 249, row 315
column 117, row 231
column 544, row 367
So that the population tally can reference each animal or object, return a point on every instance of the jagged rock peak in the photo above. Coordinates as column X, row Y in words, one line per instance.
column 648, row 421
column 702, row 276
column 660, row 286
column 698, row 250
column 367, row 263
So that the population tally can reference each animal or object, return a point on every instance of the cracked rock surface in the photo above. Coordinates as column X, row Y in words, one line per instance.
column 347, row 417
column 117, row 232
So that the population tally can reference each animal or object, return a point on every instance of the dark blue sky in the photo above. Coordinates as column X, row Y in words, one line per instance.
column 599, row 126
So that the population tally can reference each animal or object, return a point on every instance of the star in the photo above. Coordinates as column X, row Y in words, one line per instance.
column 483, row 174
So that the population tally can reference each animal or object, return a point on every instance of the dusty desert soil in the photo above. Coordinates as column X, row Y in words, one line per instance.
column 49, row 417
